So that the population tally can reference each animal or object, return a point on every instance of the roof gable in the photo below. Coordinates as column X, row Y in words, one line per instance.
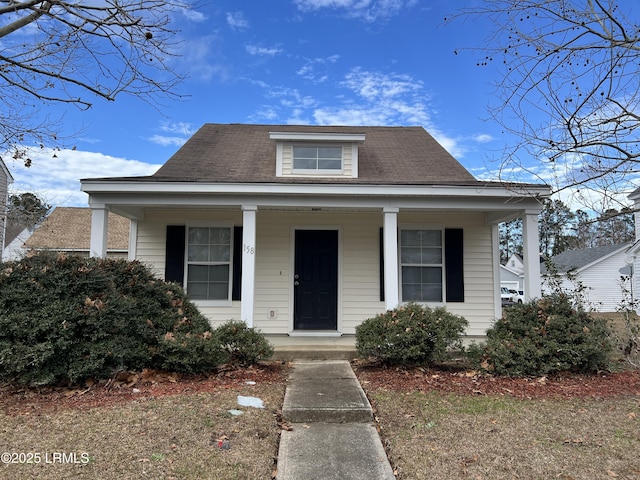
column 242, row 153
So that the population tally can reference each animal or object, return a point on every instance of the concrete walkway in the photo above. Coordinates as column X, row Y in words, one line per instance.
column 332, row 436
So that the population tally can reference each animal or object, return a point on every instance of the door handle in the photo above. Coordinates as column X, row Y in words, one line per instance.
column 296, row 283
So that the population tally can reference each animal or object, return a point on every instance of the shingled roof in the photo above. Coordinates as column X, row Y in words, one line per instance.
column 581, row 257
column 69, row 229
column 244, row 153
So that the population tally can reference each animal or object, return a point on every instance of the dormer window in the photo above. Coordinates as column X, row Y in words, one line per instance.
column 317, row 158
column 306, row 154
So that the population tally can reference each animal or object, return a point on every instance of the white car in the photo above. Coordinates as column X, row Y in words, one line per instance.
column 516, row 297
column 505, row 296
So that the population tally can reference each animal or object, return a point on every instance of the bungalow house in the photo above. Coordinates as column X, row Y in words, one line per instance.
column 68, row 229
column 305, row 231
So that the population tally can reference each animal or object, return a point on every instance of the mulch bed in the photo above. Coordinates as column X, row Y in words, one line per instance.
column 464, row 382
column 130, row 386
column 127, row 386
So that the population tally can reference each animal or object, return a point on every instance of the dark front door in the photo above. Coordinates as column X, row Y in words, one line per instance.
column 316, row 280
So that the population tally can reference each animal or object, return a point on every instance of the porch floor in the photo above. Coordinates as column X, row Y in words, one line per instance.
column 288, row 348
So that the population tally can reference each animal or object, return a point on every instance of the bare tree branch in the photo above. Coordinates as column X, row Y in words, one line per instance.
column 569, row 90
column 77, row 52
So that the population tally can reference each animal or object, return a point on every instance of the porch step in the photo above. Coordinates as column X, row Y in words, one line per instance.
column 313, row 352
column 325, row 391
column 289, row 348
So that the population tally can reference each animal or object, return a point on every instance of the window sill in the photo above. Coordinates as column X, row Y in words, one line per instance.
column 213, row 303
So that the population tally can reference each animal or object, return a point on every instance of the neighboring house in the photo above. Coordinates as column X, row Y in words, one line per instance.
column 14, row 250
column 306, row 231
column 511, row 279
column 515, row 264
column 597, row 274
column 68, row 229
column 5, row 180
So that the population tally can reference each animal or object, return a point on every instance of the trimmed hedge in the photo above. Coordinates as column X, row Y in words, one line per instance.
column 409, row 335
column 545, row 336
column 66, row 318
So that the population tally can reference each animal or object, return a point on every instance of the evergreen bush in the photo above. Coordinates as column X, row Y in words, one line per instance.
column 409, row 335
column 546, row 336
column 65, row 318
column 242, row 345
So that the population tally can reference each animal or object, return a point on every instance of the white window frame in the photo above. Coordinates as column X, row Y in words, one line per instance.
column 441, row 265
column 209, row 302
column 317, row 171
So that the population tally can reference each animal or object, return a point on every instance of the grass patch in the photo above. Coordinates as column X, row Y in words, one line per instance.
column 444, row 436
column 171, row 437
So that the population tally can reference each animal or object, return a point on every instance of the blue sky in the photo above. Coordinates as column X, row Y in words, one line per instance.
column 349, row 62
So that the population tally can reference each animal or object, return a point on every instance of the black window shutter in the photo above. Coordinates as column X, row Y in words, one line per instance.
column 174, row 260
column 454, row 265
column 237, row 264
column 381, row 264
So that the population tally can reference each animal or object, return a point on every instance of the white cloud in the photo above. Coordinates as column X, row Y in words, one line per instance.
column 193, row 15
column 237, row 21
column 55, row 175
column 262, row 51
column 181, row 131
column 309, row 71
column 367, row 10
column 167, row 141
column 202, row 59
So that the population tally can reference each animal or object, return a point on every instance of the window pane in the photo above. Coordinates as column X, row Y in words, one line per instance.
column 422, row 284
column 305, row 152
column 410, row 238
column 198, row 273
column 198, row 253
column 431, row 237
column 330, row 152
column 219, row 253
column 221, row 236
column 432, row 255
column 329, row 164
column 431, row 293
column 197, row 291
column 219, row 273
column 198, row 235
column 218, row 291
column 305, row 164
column 411, row 293
column 411, row 255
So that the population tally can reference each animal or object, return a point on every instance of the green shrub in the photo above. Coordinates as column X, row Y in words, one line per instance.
column 546, row 336
column 410, row 334
column 66, row 318
column 241, row 344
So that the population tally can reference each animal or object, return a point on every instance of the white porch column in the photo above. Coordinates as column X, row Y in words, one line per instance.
column 531, row 256
column 248, row 263
column 99, row 226
column 391, row 287
column 133, row 239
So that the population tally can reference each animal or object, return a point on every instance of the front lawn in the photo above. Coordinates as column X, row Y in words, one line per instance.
column 456, row 425
column 170, row 429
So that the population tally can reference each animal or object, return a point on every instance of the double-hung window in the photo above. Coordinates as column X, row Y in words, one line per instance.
column 209, row 262
column 421, row 265
column 317, row 158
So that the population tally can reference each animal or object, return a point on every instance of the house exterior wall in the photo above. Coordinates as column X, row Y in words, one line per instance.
column 602, row 283
column 4, row 187
column 359, row 262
